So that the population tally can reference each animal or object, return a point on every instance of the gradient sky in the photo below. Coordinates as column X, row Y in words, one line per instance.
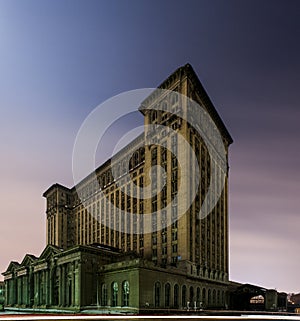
column 60, row 59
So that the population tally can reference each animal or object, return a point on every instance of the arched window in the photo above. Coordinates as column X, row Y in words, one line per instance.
column 108, row 177
column 164, row 106
column 142, row 153
column 114, row 294
column 209, row 297
column 104, row 295
column 218, row 297
column 135, row 159
column 153, row 115
column 176, row 296
column 183, row 296
column 214, row 297
column 103, row 180
column 131, row 165
column 191, row 299
column 167, row 295
column 259, row 299
column 203, row 296
column 157, row 291
column 125, row 294
column 198, row 299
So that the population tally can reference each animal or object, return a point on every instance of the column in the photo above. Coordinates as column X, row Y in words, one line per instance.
column 50, row 286
column 9, row 294
column 46, row 282
column 6, row 292
column 38, row 295
column 78, row 285
column 67, row 298
column 13, row 291
column 19, row 298
column 60, row 286
column 25, row 289
column 34, row 288
column 63, row 285
column 38, row 289
column 46, row 287
column 42, row 288
column 73, row 285
column 31, row 288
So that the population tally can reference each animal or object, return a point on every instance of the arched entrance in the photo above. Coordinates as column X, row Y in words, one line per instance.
column 248, row 297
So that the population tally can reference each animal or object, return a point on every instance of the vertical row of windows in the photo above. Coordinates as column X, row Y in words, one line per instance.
column 158, row 205
column 174, row 190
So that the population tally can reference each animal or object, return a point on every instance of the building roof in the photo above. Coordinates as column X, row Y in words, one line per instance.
column 54, row 186
column 188, row 71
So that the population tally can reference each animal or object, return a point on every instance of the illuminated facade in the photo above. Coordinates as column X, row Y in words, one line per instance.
column 182, row 265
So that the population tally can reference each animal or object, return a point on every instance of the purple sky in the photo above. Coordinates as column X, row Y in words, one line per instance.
column 60, row 59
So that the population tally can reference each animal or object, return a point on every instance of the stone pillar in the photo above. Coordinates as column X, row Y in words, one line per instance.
column 45, row 286
column 73, row 285
column 37, row 289
column 19, row 290
column 25, row 289
column 42, row 288
column 78, row 285
column 63, row 285
column 13, row 291
column 31, row 288
column 52, row 281
column 60, row 295
column 34, row 288
column 67, row 299
column 6, row 292
column 46, row 282
column 10, row 292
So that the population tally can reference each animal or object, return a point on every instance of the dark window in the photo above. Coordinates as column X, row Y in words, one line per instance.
column 191, row 294
column 167, row 295
column 183, row 296
column 157, row 294
column 176, row 296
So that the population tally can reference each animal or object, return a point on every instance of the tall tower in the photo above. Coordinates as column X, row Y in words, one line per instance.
column 60, row 230
column 203, row 242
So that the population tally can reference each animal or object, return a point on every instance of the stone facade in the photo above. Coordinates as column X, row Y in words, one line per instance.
column 104, row 278
column 182, row 265
column 81, row 215
column 58, row 279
